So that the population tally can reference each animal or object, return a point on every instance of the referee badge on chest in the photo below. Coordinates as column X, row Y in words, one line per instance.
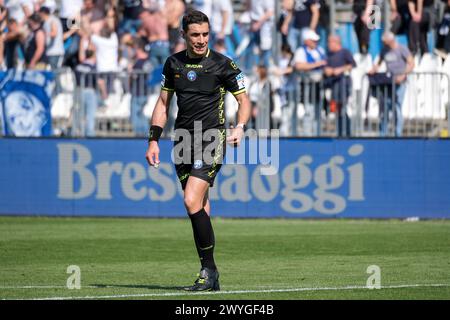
column 192, row 75
column 198, row 164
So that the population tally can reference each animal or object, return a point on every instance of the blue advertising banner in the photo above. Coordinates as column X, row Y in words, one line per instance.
column 312, row 178
column 25, row 103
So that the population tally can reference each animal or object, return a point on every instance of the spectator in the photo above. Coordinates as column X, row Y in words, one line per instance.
column 139, row 90
column 155, row 28
column 107, row 53
column 399, row 63
column 106, row 49
column 262, row 24
column 3, row 28
column 69, row 13
column 11, row 43
column 286, row 7
column 303, row 14
column 362, row 10
column 70, row 16
column 339, row 64
column 310, row 60
column 219, row 46
column 86, row 82
column 17, row 13
column 222, row 22
column 19, row 10
column 174, row 11
column 54, row 38
column 400, row 16
column 130, row 22
column 50, row 4
column 285, row 71
column 423, row 18
column 92, row 17
column 261, row 97
column 443, row 32
column 126, row 51
column 3, row 15
column 204, row 6
column 323, row 26
column 34, row 45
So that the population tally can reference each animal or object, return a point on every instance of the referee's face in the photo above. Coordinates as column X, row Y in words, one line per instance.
column 197, row 37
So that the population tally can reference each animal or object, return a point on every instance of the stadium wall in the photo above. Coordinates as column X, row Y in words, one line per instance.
column 316, row 178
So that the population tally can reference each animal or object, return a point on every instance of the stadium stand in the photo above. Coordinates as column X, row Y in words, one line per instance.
column 425, row 107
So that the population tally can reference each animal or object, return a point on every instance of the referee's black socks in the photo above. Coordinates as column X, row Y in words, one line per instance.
column 204, row 238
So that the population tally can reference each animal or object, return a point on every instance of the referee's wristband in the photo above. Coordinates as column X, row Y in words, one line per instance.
column 154, row 133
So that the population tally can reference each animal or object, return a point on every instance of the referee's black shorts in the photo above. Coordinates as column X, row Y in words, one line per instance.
column 201, row 157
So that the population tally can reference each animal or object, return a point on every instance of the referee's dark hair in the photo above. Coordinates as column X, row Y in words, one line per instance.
column 194, row 16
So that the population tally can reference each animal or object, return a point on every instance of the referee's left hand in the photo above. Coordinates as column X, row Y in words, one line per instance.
column 235, row 136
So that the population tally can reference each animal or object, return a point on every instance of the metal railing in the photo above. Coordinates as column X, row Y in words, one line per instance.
column 103, row 104
column 120, row 104
column 366, row 106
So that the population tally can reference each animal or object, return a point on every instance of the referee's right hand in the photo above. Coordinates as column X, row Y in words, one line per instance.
column 152, row 154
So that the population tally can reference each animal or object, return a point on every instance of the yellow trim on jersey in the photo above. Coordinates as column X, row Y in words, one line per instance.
column 167, row 89
column 238, row 92
column 207, row 54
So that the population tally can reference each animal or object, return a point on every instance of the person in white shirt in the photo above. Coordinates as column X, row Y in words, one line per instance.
column 204, row 6
column 262, row 16
column 68, row 11
column 309, row 61
column 222, row 22
column 70, row 16
column 19, row 10
column 54, row 38
column 106, row 48
column 107, row 52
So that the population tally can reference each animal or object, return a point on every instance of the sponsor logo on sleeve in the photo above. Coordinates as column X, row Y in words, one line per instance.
column 240, row 79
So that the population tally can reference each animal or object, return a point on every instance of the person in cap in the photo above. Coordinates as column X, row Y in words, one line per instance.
column 309, row 61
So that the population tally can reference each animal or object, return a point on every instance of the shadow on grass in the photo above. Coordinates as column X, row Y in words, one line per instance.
column 137, row 286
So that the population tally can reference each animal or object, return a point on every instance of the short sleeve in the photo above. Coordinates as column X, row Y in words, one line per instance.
column 233, row 78
column 167, row 83
column 299, row 55
column 405, row 52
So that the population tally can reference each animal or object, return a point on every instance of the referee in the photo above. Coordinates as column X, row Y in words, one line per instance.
column 200, row 77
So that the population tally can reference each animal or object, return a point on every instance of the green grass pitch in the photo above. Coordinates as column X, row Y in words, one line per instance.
column 257, row 259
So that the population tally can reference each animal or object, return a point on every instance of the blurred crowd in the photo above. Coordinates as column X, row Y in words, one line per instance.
column 107, row 36
column 40, row 34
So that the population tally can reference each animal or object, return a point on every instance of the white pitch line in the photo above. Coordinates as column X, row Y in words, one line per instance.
column 179, row 294
column 51, row 287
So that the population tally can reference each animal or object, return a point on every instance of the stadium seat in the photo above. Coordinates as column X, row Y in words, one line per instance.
column 360, row 83
column 66, row 80
column 428, row 87
column 429, row 63
column 444, row 88
column 117, row 103
column 150, row 105
column 409, row 105
column 62, row 106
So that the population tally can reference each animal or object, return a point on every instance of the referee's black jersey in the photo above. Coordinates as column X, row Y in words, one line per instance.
column 200, row 85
